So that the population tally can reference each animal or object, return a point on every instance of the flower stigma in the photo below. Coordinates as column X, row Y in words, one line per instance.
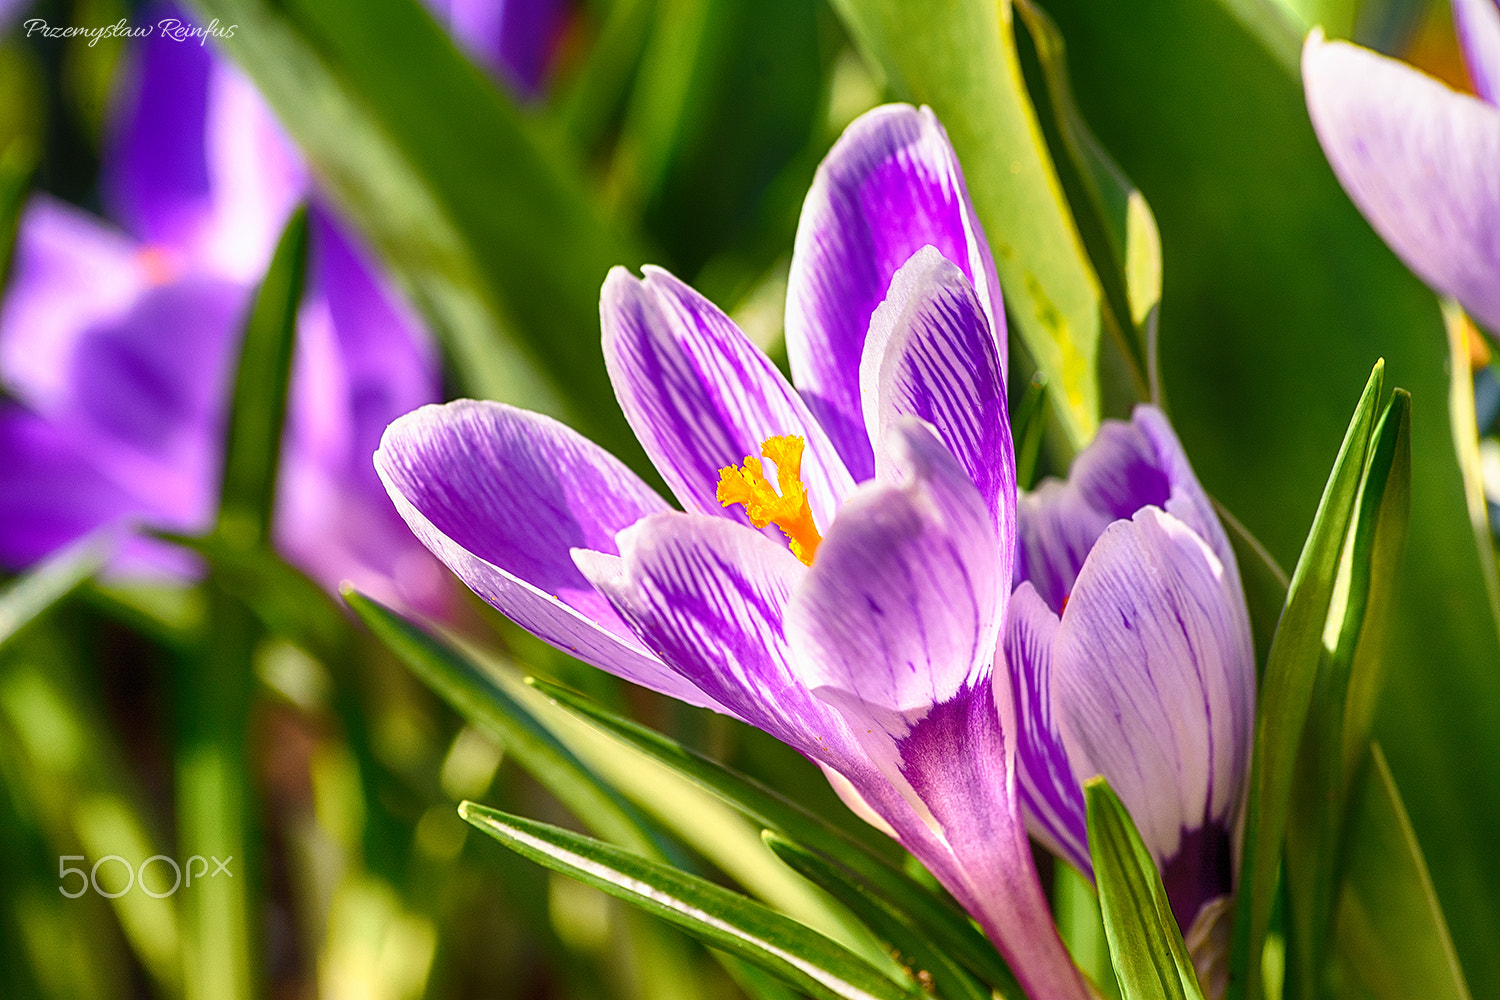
column 784, row 505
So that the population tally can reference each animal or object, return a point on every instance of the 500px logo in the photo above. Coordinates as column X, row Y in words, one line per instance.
column 137, row 876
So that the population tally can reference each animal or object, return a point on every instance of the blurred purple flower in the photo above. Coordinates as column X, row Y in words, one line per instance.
column 869, row 646
column 118, row 345
column 1421, row 161
column 518, row 39
column 1130, row 653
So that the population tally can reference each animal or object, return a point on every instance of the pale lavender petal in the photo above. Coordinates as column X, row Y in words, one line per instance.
column 1478, row 26
column 901, row 607
column 930, row 354
column 1153, row 675
column 1419, row 160
column 502, row 496
column 709, row 598
column 1126, row 467
column 69, row 272
column 1050, row 793
column 890, row 186
column 700, row 396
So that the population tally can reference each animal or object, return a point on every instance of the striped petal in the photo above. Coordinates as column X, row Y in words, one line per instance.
column 1478, row 26
column 502, row 496
column 930, row 354
column 890, row 186
column 700, row 396
column 1422, row 163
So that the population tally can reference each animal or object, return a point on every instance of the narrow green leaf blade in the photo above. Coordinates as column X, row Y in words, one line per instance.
column 1286, row 692
column 253, row 449
column 960, row 58
column 1466, row 445
column 931, row 967
column 1393, row 939
column 1150, row 960
column 948, row 925
column 30, row 595
column 715, row 915
column 1344, row 693
column 476, row 697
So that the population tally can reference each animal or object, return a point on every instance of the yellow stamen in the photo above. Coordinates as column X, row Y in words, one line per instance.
column 787, row 509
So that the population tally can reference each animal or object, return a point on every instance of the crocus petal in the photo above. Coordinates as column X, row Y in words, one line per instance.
column 930, row 354
column 890, row 186
column 69, row 272
column 708, row 597
column 1478, row 26
column 1419, row 160
column 1050, row 793
column 1126, row 467
column 900, row 609
column 700, row 396
column 501, row 496
column 156, row 177
column 1153, row 682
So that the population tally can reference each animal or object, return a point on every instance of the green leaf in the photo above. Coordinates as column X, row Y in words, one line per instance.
column 50, row 581
column 1393, row 940
column 715, row 915
column 960, row 58
column 253, row 447
column 1345, row 691
column 1276, row 295
column 1286, row 692
column 932, row 968
column 477, row 697
column 1114, row 221
column 1264, row 580
column 1028, row 422
column 488, row 224
column 948, row 925
column 1150, row 960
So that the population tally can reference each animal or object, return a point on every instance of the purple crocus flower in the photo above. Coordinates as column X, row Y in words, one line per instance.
column 868, row 643
column 118, row 344
column 1421, row 161
column 1130, row 653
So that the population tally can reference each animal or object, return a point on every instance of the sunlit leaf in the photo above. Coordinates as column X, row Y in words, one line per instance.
column 1150, row 960
column 800, row 956
column 30, row 595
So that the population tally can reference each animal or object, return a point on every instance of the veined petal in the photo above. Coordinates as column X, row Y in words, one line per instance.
column 1478, row 26
column 708, row 597
column 700, row 396
column 1049, row 791
column 70, row 271
column 1419, row 160
column 900, row 610
column 502, row 496
column 1126, row 467
column 890, row 186
column 1153, row 679
column 930, row 354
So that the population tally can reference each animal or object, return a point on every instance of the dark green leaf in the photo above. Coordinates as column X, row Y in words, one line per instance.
column 253, row 448
column 1393, row 940
column 912, row 946
column 1150, row 960
column 795, row 953
column 960, row 58
column 1028, row 422
column 947, row 925
column 1286, row 692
